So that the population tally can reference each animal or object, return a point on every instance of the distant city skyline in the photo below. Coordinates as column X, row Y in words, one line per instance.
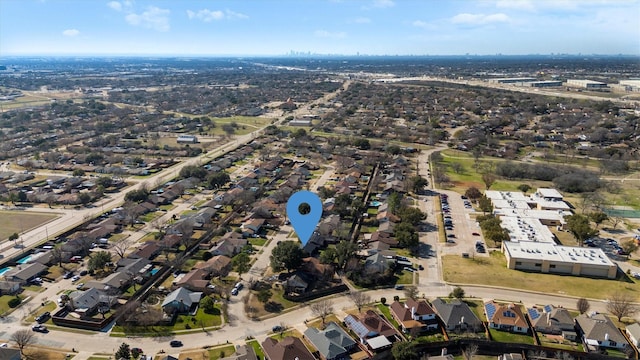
column 345, row 27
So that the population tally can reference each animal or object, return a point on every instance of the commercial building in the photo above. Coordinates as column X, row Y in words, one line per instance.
column 511, row 80
column 187, row 139
column 301, row 122
column 557, row 259
column 587, row 84
column 545, row 83
column 631, row 85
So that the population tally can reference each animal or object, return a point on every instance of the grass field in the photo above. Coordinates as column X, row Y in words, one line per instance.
column 19, row 221
column 474, row 271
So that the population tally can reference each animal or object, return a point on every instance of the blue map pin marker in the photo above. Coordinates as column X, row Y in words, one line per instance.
column 304, row 224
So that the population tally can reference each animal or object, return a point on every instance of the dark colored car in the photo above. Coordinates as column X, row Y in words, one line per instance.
column 68, row 275
column 43, row 318
column 277, row 328
column 39, row 328
column 83, row 272
column 175, row 343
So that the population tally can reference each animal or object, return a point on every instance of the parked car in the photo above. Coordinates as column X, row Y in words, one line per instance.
column 80, row 286
column 175, row 343
column 39, row 328
column 277, row 328
column 75, row 278
column 399, row 287
column 43, row 317
column 234, row 291
column 475, row 234
column 67, row 275
column 83, row 273
column 451, row 235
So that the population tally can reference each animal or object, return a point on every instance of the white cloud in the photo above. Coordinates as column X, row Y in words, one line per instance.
column 362, row 20
column 383, row 3
column 328, row 34
column 479, row 19
column 153, row 18
column 515, row 4
column 71, row 32
column 115, row 5
column 422, row 24
column 207, row 15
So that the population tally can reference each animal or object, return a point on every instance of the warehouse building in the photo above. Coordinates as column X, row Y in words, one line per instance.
column 511, row 80
column 546, row 83
column 556, row 259
column 587, row 84
column 631, row 85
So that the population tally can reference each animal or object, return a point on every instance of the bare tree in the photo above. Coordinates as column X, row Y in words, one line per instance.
column 488, row 180
column 470, row 351
column 583, row 305
column 57, row 255
column 621, row 304
column 359, row 299
column 120, row 246
column 22, row 338
column 322, row 309
column 410, row 292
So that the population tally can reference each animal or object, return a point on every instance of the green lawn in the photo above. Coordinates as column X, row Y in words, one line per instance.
column 49, row 306
column 257, row 241
column 507, row 337
column 4, row 302
column 256, row 348
column 19, row 221
column 404, row 277
column 183, row 322
column 385, row 310
column 220, row 352
column 459, row 270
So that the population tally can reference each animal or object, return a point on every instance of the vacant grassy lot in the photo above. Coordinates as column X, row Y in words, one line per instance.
column 18, row 221
column 474, row 271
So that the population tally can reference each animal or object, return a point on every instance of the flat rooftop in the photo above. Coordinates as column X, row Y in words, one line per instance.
column 557, row 253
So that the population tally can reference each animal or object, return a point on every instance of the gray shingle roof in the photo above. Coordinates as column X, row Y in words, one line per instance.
column 332, row 342
column 184, row 296
column 453, row 312
column 598, row 326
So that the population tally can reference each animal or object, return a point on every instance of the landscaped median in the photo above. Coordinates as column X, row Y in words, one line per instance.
column 459, row 270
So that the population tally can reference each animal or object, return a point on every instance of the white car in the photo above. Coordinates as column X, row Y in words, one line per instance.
column 4, row 345
column 75, row 278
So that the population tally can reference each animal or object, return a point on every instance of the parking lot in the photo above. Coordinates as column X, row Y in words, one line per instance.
column 463, row 234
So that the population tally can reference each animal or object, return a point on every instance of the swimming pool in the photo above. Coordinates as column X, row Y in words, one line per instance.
column 375, row 203
column 154, row 271
column 4, row 270
column 24, row 260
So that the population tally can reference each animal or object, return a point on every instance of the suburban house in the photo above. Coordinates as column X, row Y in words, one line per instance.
column 243, row 352
column 128, row 270
column 508, row 317
column 633, row 332
column 9, row 287
column 457, row 315
column 23, row 273
column 203, row 217
column 87, row 302
column 218, row 265
column 181, row 300
column 552, row 320
column 372, row 330
column 376, row 264
column 414, row 315
column 296, row 284
column 149, row 250
column 332, row 343
column 10, row 354
column 598, row 331
column 229, row 245
column 252, row 227
column 194, row 280
column 287, row 349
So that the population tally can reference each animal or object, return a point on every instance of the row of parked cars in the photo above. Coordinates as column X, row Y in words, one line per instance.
column 446, row 215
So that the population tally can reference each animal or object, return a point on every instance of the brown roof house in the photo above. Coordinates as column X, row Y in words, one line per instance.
column 194, row 280
column 508, row 317
column 373, row 330
column 414, row 315
column 219, row 265
column 290, row 348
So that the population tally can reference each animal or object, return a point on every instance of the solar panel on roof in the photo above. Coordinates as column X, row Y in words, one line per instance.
column 533, row 314
column 490, row 308
column 548, row 308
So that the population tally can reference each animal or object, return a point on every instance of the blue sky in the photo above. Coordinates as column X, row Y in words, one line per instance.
column 275, row 27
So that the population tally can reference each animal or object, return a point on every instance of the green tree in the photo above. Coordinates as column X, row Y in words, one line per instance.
column 473, row 193
column 345, row 250
column 406, row 235
column 417, row 183
column 362, row 144
column 579, row 226
column 264, row 295
column 457, row 293
column 193, row 171
column 77, row 172
column 99, row 260
column 84, row 198
column 241, row 263
column 208, row 305
column 598, row 217
column 524, row 188
column 14, row 236
column 403, row 350
column 394, row 200
column 124, row 352
column 485, row 204
column 411, row 215
column 286, row 255
column 218, row 179
column 328, row 256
